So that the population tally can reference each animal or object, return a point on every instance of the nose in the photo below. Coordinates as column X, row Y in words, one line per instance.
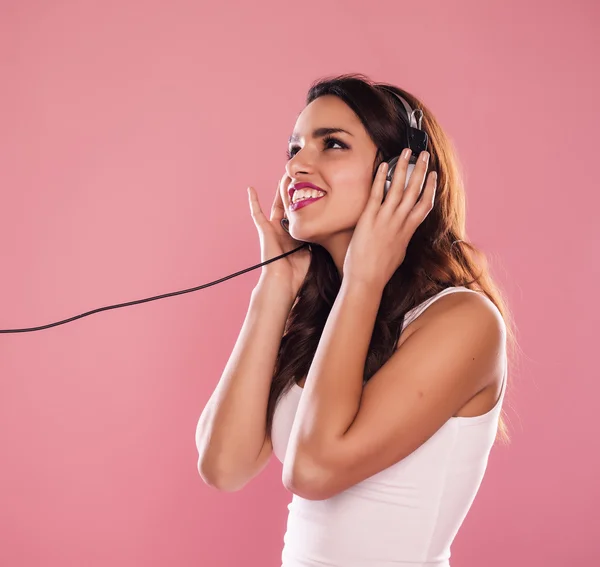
column 301, row 162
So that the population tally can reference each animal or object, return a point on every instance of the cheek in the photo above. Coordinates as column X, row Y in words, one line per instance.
column 357, row 202
column 355, row 182
column 347, row 206
column 354, row 193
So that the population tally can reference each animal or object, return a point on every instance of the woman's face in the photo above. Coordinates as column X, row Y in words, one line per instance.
column 339, row 163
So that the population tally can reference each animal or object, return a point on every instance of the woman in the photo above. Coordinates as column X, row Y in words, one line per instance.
column 372, row 362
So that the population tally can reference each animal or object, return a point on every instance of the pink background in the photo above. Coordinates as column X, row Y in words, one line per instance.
column 128, row 135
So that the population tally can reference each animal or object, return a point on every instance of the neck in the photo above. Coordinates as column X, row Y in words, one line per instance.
column 337, row 246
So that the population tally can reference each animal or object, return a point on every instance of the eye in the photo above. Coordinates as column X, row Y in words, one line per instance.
column 326, row 141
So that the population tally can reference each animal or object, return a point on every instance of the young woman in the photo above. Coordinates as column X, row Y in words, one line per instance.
column 372, row 362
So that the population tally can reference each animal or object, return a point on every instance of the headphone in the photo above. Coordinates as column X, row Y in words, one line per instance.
column 416, row 140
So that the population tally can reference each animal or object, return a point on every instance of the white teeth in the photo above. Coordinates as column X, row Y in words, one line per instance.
column 301, row 194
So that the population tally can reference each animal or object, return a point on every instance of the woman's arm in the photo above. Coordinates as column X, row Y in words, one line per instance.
column 334, row 384
column 344, row 433
column 231, row 430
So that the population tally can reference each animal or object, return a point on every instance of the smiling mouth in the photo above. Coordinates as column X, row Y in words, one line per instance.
column 305, row 193
column 305, row 201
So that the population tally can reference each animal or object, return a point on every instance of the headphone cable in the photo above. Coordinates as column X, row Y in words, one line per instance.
column 156, row 297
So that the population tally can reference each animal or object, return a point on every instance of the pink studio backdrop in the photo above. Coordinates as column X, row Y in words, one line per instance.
column 129, row 133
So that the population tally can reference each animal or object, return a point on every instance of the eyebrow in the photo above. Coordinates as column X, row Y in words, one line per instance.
column 319, row 133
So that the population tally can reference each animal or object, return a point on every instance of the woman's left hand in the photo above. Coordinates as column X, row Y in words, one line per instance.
column 378, row 245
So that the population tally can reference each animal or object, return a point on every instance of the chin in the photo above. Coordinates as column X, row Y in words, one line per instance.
column 319, row 231
column 305, row 234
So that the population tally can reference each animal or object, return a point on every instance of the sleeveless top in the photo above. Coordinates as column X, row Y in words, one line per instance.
column 407, row 514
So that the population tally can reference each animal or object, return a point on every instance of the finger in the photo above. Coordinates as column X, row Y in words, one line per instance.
column 277, row 208
column 425, row 204
column 396, row 191
column 377, row 190
column 257, row 215
column 417, row 179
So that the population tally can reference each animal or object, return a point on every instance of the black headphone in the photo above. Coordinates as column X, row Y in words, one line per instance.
column 416, row 140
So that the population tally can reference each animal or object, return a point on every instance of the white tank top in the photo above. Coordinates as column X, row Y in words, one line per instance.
column 407, row 514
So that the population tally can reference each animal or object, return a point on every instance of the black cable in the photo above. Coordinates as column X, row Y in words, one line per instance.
column 154, row 298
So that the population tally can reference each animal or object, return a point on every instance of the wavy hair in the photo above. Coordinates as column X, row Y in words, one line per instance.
column 438, row 255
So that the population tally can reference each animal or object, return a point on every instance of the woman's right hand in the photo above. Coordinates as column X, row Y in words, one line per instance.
column 290, row 271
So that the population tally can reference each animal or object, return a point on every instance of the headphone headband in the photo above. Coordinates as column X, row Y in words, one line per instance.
column 417, row 138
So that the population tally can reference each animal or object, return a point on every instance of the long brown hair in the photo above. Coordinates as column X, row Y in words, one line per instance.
column 438, row 255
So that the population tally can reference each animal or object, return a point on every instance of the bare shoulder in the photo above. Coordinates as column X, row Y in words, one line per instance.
column 465, row 307
column 469, row 310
